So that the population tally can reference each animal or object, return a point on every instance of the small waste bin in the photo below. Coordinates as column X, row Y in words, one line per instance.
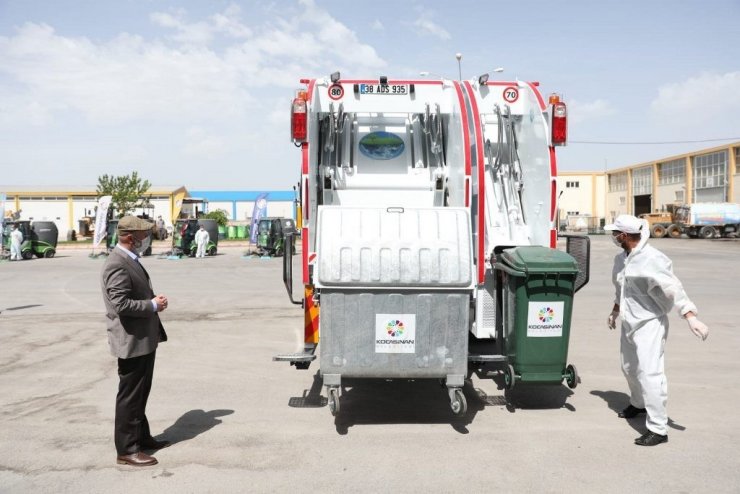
column 231, row 231
column 538, row 287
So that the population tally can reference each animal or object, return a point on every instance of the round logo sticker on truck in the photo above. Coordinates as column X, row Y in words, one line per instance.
column 511, row 94
column 336, row 91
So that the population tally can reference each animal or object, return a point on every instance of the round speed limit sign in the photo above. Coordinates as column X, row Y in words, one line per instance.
column 336, row 91
column 511, row 94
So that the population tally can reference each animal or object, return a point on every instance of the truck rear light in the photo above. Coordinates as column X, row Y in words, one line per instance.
column 559, row 121
column 298, row 120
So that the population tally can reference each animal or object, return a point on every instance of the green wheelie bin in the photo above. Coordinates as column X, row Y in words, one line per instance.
column 537, row 301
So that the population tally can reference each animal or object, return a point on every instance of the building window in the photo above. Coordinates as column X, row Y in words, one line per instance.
column 573, row 213
column 737, row 160
column 679, row 196
column 617, row 182
column 642, row 181
column 572, row 184
column 709, row 170
column 672, row 172
column 622, row 201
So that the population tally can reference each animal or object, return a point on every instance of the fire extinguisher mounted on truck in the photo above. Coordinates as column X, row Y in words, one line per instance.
column 428, row 232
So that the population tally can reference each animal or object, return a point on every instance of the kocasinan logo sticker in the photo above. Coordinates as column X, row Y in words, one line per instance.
column 546, row 314
column 545, row 319
column 394, row 328
column 395, row 333
column 381, row 145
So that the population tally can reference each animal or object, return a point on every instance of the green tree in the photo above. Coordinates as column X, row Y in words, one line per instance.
column 221, row 217
column 127, row 191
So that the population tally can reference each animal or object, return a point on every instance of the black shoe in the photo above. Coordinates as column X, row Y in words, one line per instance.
column 650, row 438
column 630, row 412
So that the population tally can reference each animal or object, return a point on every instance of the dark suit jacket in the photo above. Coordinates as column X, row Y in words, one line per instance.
column 134, row 327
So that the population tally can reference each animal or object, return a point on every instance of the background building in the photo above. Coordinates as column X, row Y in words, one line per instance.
column 66, row 207
column 707, row 175
column 588, row 199
column 239, row 204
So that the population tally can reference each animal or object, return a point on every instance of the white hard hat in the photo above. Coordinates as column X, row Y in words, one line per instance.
column 625, row 223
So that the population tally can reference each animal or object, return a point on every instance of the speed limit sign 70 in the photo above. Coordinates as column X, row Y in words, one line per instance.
column 511, row 94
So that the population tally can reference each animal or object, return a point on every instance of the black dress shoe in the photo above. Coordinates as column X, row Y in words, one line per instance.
column 136, row 460
column 650, row 438
column 630, row 412
column 152, row 443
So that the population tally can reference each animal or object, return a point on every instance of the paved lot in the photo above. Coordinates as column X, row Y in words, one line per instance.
column 242, row 423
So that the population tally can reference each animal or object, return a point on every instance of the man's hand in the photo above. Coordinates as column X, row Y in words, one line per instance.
column 161, row 302
column 700, row 329
column 611, row 321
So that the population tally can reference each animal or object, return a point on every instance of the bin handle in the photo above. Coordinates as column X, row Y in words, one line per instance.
column 503, row 267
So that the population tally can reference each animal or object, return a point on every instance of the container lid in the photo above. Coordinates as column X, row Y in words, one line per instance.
column 538, row 259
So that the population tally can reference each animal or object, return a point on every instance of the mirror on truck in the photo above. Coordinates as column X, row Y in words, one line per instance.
column 288, row 267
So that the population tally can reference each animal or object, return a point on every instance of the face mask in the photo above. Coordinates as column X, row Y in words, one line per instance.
column 617, row 242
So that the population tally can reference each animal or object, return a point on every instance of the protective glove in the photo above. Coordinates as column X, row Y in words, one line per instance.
column 611, row 321
column 700, row 329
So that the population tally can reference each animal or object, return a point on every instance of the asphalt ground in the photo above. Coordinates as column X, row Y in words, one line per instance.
column 242, row 423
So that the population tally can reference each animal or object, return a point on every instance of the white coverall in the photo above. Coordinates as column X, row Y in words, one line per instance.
column 201, row 240
column 646, row 291
column 16, row 239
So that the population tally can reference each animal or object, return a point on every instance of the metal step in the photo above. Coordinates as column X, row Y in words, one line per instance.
column 483, row 359
column 295, row 357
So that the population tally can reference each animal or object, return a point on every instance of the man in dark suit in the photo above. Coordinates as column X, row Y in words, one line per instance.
column 134, row 331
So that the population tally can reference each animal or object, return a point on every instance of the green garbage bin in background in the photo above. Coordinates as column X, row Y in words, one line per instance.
column 538, row 284
column 231, row 231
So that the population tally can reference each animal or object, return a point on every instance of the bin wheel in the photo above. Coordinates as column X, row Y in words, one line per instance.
column 49, row 253
column 509, row 377
column 27, row 254
column 334, row 401
column 459, row 404
column 571, row 376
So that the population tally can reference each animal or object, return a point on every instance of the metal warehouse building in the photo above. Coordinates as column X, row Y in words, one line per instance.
column 705, row 175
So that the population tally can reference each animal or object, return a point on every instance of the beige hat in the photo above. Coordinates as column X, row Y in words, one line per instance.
column 133, row 224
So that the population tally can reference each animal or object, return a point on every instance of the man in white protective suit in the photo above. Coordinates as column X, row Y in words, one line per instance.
column 646, row 291
column 16, row 241
column 201, row 240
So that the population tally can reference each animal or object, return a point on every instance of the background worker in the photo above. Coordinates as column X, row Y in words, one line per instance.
column 16, row 239
column 134, row 331
column 201, row 240
column 646, row 291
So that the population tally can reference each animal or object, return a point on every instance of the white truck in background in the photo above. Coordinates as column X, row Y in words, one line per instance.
column 707, row 220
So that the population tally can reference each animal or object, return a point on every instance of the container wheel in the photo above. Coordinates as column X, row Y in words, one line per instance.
column 571, row 376
column 707, row 232
column 658, row 231
column 674, row 231
column 509, row 377
column 49, row 253
column 212, row 251
column 459, row 404
column 334, row 401
column 27, row 254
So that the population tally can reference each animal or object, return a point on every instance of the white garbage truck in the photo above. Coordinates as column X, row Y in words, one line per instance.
column 428, row 232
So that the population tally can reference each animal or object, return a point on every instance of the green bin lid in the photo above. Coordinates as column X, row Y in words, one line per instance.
column 538, row 259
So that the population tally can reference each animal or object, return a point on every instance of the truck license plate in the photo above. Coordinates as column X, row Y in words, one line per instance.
column 384, row 89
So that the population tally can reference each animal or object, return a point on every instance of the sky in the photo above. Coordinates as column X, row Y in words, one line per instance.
column 195, row 93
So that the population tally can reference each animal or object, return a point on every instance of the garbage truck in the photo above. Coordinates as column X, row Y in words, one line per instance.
column 428, row 233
